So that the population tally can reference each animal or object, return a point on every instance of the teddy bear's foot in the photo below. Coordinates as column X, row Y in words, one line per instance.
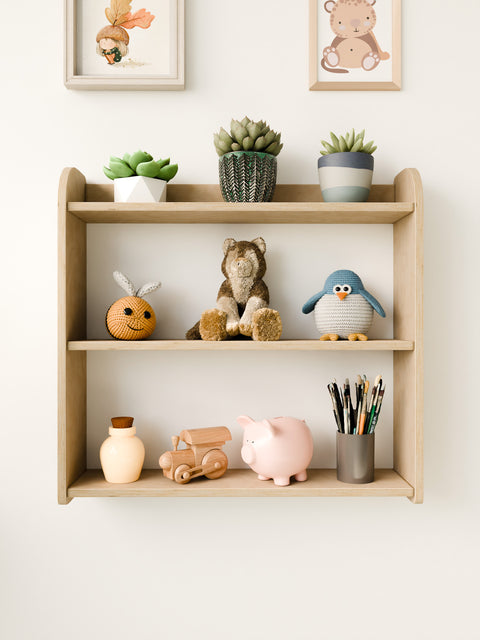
column 213, row 325
column 194, row 332
column 357, row 336
column 233, row 329
column 330, row 336
column 266, row 325
column 246, row 329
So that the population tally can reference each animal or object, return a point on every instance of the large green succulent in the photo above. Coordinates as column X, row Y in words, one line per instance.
column 140, row 163
column 348, row 142
column 248, row 136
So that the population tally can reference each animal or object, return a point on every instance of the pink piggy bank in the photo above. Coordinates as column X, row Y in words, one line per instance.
column 278, row 448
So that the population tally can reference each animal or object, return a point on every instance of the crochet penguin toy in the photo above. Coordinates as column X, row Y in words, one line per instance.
column 343, row 308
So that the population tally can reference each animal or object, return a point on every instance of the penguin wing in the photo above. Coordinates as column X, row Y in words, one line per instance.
column 309, row 306
column 373, row 301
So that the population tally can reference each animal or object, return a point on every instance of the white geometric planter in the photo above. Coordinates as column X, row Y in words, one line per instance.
column 139, row 189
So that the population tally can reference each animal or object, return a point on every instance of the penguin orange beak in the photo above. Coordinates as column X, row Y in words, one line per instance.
column 342, row 294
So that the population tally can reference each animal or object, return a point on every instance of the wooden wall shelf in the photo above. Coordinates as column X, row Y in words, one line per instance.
column 259, row 213
column 240, row 345
column 239, row 483
column 399, row 204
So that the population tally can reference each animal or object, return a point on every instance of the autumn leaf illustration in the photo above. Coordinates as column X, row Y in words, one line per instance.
column 140, row 18
column 118, row 11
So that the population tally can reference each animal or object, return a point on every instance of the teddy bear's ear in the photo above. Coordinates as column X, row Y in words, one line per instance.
column 228, row 244
column 260, row 242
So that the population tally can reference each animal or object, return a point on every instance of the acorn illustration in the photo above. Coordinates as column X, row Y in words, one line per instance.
column 112, row 40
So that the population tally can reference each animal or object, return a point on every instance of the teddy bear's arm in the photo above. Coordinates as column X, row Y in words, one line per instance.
column 227, row 304
column 258, row 299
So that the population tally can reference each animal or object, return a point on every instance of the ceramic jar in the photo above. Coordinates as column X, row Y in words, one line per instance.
column 122, row 453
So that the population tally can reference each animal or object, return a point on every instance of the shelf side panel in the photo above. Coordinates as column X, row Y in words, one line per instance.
column 408, row 325
column 71, row 326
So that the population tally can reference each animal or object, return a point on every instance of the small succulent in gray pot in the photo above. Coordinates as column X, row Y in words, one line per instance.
column 345, row 168
column 248, row 163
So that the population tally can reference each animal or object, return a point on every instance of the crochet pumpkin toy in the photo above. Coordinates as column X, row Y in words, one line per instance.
column 243, row 298
column 131, row 318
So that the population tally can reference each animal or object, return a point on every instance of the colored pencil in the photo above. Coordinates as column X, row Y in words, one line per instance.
column 364, row 408
column 377, row 411
column 373, row 403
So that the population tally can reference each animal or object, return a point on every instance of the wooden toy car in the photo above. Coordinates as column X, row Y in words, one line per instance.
column 201, row 457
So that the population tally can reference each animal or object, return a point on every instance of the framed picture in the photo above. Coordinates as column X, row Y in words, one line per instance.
column 355, row 45
column 124, row 44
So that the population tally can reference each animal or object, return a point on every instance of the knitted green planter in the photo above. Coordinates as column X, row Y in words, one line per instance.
column 247, row 176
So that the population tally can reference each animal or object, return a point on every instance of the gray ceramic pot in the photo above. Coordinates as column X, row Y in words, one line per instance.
column 247, row 176
column 345, row 176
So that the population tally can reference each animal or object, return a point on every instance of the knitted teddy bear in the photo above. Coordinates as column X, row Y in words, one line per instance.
column 243, row 298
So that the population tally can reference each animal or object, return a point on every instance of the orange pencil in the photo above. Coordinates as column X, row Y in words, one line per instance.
column 364, row 408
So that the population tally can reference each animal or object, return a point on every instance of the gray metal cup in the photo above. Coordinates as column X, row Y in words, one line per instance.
column 355, row 457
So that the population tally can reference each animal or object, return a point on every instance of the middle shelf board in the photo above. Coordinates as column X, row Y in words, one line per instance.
column 240, row 345
column 246, row 213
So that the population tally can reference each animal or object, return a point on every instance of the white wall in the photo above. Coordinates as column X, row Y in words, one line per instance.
column 246, row 568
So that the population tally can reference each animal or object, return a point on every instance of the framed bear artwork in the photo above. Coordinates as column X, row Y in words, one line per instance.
column 355, row 45
column 124, row 44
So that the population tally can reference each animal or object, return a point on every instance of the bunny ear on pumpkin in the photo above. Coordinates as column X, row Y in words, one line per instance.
column 148, row 288
column 124, row 282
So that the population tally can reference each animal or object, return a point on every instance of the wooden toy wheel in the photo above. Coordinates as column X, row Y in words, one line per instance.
column 219, row 460
column 180, row 472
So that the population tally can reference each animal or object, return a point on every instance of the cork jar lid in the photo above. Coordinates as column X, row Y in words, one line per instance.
column 122, row 422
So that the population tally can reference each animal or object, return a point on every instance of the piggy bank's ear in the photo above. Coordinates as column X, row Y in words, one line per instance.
column 269, row 427
column 244, row 421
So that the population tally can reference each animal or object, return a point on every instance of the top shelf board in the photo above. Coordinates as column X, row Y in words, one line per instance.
column 200, row 204
column 257, row 213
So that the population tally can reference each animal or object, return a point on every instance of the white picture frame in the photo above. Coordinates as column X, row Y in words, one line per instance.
column 84, row 69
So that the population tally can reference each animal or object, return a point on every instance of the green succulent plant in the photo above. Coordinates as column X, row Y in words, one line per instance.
column 348, row 142
column 247, row 135
column 140, row 163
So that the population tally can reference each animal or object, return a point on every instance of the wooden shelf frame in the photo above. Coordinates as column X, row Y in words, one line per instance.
column 240, row 345
column 400, row 204
column 239, row 483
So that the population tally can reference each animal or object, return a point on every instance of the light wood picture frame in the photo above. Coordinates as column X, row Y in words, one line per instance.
column 369, row 61
column 151, row 57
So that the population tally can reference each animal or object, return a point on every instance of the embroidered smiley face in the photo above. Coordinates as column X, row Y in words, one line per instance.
column 130, row 318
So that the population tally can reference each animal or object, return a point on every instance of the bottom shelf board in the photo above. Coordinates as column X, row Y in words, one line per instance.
column 238, row 483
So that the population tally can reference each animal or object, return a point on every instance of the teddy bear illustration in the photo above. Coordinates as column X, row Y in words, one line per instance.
column 354, row 45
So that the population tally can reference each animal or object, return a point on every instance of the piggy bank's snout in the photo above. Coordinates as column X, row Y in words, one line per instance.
column 248, row 453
